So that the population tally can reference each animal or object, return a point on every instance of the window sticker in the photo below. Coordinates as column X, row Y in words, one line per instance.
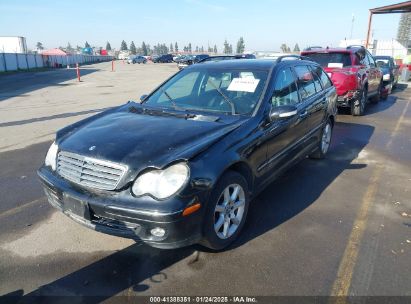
column 335, row 65
column 243, row 85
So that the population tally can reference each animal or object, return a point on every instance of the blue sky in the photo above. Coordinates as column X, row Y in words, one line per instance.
column 264, row 24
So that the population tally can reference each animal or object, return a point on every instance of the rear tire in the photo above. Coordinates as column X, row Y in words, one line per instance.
column 358, row 106
column 376, row 98
column 226, row 211
column 324, row 142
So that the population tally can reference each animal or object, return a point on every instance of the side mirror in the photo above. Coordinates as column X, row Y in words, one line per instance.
column 143, row 97
column 282, row 112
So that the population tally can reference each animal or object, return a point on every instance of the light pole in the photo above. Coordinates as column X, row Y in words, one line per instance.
column 352, row 25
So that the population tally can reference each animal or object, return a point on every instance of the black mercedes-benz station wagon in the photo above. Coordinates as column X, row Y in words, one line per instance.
column 182, row 166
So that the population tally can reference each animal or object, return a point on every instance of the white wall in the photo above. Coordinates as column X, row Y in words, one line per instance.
column 13, row 45
column 13, row 61
column 383, row 47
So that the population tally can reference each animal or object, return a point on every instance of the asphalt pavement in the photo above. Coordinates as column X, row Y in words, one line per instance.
column 339, row 226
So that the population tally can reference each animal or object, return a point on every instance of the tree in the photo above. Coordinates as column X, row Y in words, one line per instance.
column 215, row 49
column 226, row 47
column 108, row 46
column 189, row 47
column 171, row 48
column 86, row 45
column 39, row 46
column 284, row 48
column 202, row 49
column 240, row 46
column 69, row 48
column 133, row 49
column 123, row 46
column 230, row 49
column 144, row 49
column 176, row 47
column 296, row 48
column 196, row 48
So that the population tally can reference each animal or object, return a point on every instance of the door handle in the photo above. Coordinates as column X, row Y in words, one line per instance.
column 304, row 114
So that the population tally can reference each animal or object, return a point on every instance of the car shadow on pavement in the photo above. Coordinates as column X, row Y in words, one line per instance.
column 302, row 185
column 19, row 84
column 124, row 271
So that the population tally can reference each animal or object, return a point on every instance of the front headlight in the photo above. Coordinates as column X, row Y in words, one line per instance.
column 386, row 77
column 52, row 156
column 162, row 183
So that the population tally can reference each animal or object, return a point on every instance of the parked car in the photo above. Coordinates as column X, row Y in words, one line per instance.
column 136, row 59
column 390, row 70
column 353, row 72
column 163, row 59
column 191, row 59
column 178, row 58
column 208, row 140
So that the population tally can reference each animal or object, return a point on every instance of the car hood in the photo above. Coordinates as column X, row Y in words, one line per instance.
column 139, row 138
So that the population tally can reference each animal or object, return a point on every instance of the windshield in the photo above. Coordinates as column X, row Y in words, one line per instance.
column 212, row 90
column 331, row 60
column 382, row 63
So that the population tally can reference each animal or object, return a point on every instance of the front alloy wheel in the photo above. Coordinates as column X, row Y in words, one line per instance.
column 226, row 211
column 229, row 211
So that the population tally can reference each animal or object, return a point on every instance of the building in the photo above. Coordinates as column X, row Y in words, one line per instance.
column 10, row 44
column 380, row 47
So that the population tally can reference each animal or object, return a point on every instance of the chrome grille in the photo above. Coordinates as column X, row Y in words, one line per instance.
column 89, row 172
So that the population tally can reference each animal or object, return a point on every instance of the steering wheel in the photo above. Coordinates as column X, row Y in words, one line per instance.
column 242, row 104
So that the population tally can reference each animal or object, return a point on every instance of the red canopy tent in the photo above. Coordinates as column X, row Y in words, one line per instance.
column 54, row 52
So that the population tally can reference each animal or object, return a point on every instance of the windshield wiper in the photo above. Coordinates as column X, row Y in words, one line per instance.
column 225, row 97
column 171, row 100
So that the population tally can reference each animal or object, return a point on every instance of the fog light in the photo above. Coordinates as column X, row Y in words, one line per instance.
column 159, row 232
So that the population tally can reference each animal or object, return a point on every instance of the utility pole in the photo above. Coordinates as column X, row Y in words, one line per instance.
column 352, row 25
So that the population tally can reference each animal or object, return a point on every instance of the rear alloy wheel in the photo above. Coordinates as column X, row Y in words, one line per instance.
column 358, row 105
column 226, row 212
column 324, row 143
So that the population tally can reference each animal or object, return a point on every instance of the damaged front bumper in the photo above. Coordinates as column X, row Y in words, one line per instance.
column 117, row 214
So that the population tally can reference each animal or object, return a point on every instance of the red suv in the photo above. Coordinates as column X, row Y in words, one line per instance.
column 354, row 74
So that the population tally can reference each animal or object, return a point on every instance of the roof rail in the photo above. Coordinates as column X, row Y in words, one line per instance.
column 314, row 47
column 355, row 45
column 279, row 59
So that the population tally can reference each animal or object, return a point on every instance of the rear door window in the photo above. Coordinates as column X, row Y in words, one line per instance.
column 325, row 80
column 317, row 82
column 305, row 81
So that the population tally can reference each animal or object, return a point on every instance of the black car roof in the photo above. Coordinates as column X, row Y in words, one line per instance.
column 247, row 64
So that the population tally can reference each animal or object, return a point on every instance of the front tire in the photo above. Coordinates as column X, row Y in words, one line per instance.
column 325, row 141
column 226, row 211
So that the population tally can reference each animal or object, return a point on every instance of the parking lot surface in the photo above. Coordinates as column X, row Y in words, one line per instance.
column 341, row 226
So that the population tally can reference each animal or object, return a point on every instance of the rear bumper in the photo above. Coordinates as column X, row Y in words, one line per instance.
column 108, row 214
column 346, row 99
